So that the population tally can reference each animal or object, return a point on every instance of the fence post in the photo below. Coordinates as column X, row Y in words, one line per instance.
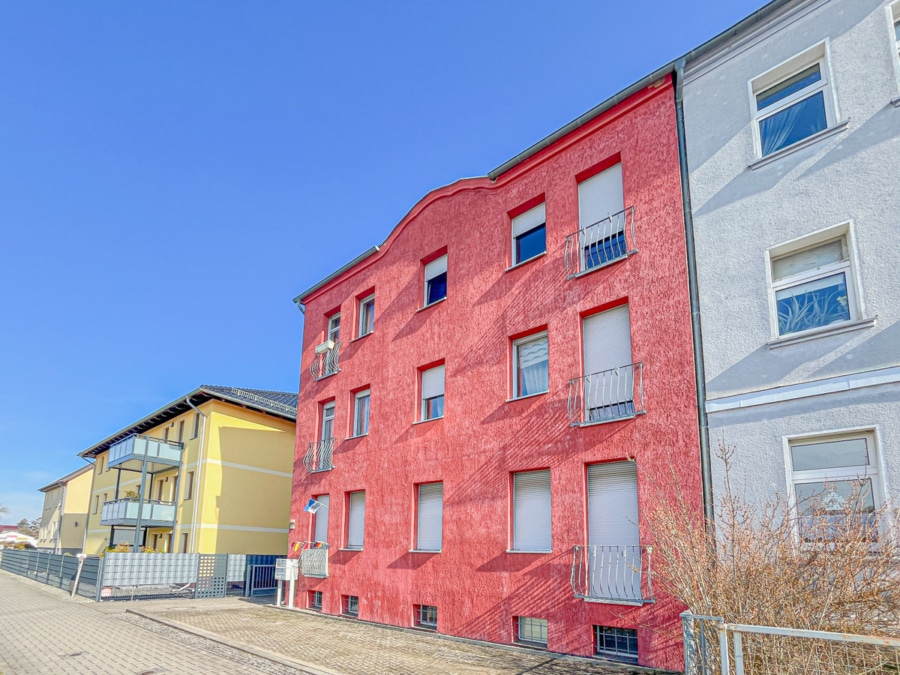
column 723, row 648
column 687, row 634
column 99, row 579
column 738, row 653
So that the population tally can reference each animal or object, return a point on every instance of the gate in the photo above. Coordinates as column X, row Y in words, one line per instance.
column 262, row 580
column 212, row 575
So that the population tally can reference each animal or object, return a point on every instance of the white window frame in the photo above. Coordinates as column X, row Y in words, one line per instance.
column 893, row 16
column 357, row 398
column 327, row 415
column 534, row 212
column 850, row 268
column 332, row 331
column 874, row 471
column 442, row 269
column 419, row 546
column 516, row 545
column 525, row 627
column 362, row 534
column 517, row 344
column 820, row 54
column 345, row 602
column 366, row 310
column 423, row 611
column 423, row 402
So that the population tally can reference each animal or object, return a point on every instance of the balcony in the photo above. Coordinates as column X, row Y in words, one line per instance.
column 125, row 512
column 325, row 362
column 600, row 244
column 314, row 559
column 612, row 395
column 613, row 574
column 133, row 451
column 319, row 456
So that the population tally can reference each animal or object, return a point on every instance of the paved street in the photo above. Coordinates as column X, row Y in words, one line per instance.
column 42, row 630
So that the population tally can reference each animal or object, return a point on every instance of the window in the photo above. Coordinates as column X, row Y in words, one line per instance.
column 189, row 486
column 160, row 487
column 601, row 218
column 608, row 386
column 429, row 517
column 366, row 315
column 350, row 605
column 184, row 542
column 426, row 616
column 361, row 413
column 618, row 643
column 96, row 503
column 315, row 599
column 356, row 519
column 812, row 285
column 530, row 366
column 436, row 280
column 327, row 429
column 835, row 477
column 166, row 434
column 195, row 431
column 531, row 512
column 105, row 495
column 334, row 328
column 529, row 233
column 432, row 393
column 791, row 102
column 895, row 19
column 321, row 519
column 181, row 431
column 532, row 631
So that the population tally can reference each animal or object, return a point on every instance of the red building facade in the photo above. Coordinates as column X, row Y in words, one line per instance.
column 483, row 436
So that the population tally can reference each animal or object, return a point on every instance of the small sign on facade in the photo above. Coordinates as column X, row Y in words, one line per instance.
column 287, row 569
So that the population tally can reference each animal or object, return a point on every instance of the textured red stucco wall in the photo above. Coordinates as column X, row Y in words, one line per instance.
column 478, row 587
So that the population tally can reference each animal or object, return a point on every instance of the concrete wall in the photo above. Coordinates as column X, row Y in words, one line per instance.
column 476, row 584
column 741, row 209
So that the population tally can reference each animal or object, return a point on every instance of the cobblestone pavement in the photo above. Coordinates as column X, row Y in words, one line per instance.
column 44, row 631
column 357, row 648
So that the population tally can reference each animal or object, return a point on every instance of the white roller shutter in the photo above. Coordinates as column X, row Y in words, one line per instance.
column 613, row 529
column 531, row 511
column 607, row 340
column 429, row 525
column 356, row 520
column 529, row 220
column 322, row 518
column 600, row 196
column 433, row 382
column 435, row 267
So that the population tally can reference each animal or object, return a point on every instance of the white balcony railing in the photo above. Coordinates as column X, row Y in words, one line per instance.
column 325, row 362
column 314, row 559
column 125, row 512
column 319, row 455
column 600, row 244
column 608, row 396
column 615, row 574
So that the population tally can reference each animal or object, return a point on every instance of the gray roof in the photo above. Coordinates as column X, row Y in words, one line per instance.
column 281, row 404
column 59, row 482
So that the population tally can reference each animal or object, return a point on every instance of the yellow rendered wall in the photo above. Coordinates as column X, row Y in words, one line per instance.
column 243, row 486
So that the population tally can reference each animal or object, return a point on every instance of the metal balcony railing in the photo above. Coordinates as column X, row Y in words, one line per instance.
column 125, row 512
column 319, row 455
column 325, row 362
column 601, row 243
column 314, row 559
column 138, row 447
column 607, row 396
column 616, row 574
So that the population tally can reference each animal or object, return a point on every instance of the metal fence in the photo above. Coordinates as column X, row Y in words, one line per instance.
column 141, row 576
column 714, row 647
column 622, row 574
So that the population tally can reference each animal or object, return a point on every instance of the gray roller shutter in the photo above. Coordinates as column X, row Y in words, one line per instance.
column 531, row 511
column 356, row 520
column 429, row 527
column 322, row 518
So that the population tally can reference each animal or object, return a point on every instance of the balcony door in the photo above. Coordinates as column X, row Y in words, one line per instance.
column 613, row 535
column 601, row 221
column 608, row 373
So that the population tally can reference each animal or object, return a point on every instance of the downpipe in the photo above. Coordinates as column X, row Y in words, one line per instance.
column 195, row 491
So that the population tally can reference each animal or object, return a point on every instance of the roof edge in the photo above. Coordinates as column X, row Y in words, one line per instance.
column 67, row 478
column 338, row 272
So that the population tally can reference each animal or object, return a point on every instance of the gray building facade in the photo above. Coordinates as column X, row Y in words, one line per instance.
column 792, row 130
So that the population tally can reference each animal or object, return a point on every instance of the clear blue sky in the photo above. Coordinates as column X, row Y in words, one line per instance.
column 172, row 174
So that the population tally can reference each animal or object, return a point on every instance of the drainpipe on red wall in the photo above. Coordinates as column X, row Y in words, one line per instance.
column 699, row 371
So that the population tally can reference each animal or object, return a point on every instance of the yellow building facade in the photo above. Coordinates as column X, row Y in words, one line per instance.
column 216, row 468
column 65, row 513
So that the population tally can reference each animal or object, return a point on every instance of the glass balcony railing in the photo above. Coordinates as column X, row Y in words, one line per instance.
column 145, row 449
column 125, row 512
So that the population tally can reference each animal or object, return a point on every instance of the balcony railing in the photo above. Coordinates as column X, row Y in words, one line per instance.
column 319, row 455
column 314, row 559
column 615, row 574
column 608, row 396
column 145, row 449
column 326, row 361
column 600, row 244
column 125, row 512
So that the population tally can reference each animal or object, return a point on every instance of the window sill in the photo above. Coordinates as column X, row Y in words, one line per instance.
column 509, row 550
column 433, row 419
column 799, row 145
column 525, row 262
column 360, row 337
column 609, row 421
column 522, row 398
column 424, row 550
column 351, row 438
column 351, row 549
column 824, row 331
column 436, row 302
column 895, row 101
